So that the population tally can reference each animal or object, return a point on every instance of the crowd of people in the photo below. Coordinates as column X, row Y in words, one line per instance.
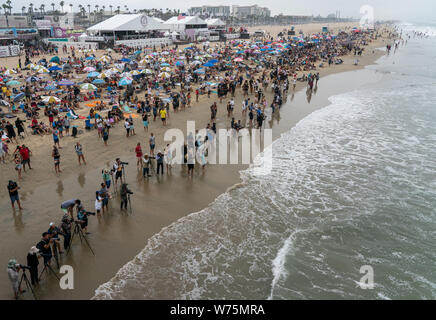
column 51, row 97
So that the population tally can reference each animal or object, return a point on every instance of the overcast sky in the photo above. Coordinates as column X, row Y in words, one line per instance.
column 406, row 10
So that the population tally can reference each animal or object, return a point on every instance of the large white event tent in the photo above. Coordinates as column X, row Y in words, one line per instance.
column 128, row 26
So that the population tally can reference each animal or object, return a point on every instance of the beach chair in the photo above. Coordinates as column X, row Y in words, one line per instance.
column 88, row 124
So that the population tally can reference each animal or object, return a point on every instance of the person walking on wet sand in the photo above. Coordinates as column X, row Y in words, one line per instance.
column 13, row 194
column 125, row 192
column 138, row 151
column 152, row 143
column 79, row 151
column 57, row 159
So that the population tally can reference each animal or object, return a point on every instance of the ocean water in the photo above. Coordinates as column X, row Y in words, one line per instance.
column 353, row 184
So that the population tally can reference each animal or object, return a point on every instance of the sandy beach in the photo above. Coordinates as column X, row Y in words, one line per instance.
column 117, row 237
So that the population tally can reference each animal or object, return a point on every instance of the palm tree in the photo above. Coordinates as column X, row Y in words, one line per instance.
column 89, row 9
column 125, row 7
column 5, row 9
column 71, row 6
column 110, row 6
column 118, row 9
column 62, row 3
column 53, row 5
column 9, row 3
column 41, row 8
column 23, row 8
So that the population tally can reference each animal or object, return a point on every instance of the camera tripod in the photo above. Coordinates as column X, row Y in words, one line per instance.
column 27, row 282
column 56, row 253
column 78, row 231
column 50, row 269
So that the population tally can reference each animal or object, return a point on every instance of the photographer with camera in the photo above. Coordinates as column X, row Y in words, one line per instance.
column 54, row 232
column 68, row 206
column 13, row 194
column 44, row 247
column 14, row 277
column 33, row 262
column 118, row 168
column 125, row 192
column 66, row 225
column 82, row 217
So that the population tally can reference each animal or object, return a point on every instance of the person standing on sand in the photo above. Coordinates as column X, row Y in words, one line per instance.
column 138, row 151
column 152, row 143
column 18, row 165
column 79, row 151
column 57, row 159
column 127, row 126
column 56, row 137
column 105, row 134
column 13, row 194
column 25, row 156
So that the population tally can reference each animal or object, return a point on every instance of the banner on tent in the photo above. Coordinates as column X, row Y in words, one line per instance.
column 9, row 51
column 144, row 42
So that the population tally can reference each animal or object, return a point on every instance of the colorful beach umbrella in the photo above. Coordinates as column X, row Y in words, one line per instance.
column 89, row 69
column 13, row 83
column 105, row 59
column 165, row 75
column 10, row 72
column 93, row 74
column 55, row 68
column 125, row 81
column 98, row 81
column 66, row 83
column 88, row 86
column 50, row 99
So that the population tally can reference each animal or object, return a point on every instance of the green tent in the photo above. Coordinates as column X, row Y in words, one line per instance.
column 55, row 59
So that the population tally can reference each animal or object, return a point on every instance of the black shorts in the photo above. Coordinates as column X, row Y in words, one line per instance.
column 118, row 174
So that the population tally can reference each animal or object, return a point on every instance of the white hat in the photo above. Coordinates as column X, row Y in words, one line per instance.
column 51, row 224
column 33, row 250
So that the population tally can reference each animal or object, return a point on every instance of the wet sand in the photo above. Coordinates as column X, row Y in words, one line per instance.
column 117, row 237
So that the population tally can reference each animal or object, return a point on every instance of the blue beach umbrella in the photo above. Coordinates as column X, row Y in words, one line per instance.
column 13, row 83
column 98, row 81
column 179, row 63
column 50, row 87
column 93, row 74
column 124, row 82
column 125, row 60
column 164, row 64
column 89, row 58
column 65, row 83
column 55, row 59
column 199, row 71
column 19, row 96
column 55, row 68
column 209, row 64
column 213, row 61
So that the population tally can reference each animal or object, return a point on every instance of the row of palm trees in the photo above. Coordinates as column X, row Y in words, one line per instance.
column 85, row 12
column 7, row 7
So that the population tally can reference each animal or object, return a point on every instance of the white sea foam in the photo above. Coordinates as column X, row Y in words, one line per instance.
column 345, row 186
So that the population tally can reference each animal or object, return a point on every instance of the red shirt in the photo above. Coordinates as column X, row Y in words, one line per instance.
column 34, row 122
column 24, row 153
column 138, row 151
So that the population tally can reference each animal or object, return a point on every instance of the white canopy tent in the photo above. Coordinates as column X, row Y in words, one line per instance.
column 128, row 22
column 215, row 23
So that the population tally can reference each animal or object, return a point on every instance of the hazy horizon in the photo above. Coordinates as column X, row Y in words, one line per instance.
column 405, row 10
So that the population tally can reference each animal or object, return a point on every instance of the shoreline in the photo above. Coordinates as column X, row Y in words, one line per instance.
column 118, row 238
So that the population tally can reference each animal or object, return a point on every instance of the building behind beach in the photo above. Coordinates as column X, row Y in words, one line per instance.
column 211, row 11
column 242, row 12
